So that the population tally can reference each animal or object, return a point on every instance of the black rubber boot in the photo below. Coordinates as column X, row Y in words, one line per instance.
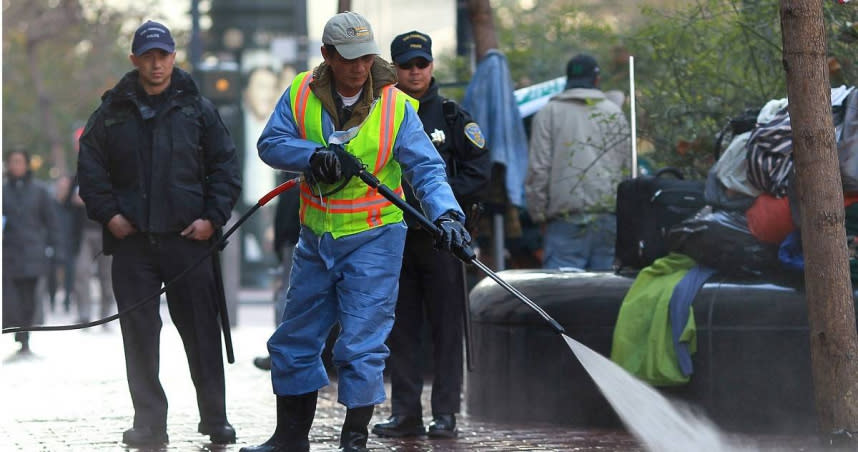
column 145, row 437
column 354, row 435
column 294, row 419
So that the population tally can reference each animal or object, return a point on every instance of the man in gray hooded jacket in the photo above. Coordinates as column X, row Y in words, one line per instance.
column 580, row 149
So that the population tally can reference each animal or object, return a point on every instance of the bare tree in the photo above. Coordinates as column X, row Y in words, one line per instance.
column 831, row 309
column 41, row 23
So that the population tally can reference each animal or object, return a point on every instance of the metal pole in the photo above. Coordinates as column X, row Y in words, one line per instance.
column 499, row 247
column 632, row 118
column 466, row 322
column 196, row 45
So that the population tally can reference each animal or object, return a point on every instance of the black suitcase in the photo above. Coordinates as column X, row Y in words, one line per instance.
column 647, row 206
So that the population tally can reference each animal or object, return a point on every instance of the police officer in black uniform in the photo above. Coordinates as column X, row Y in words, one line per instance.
column 432, row 283
column 158, row 170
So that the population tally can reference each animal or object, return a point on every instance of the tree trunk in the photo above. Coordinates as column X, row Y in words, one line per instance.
column 831, row 309
column 483, row 26
column 344, row 5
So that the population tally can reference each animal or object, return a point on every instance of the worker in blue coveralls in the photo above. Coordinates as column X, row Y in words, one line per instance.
column 346, row 264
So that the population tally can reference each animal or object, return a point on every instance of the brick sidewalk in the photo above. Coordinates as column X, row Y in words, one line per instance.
column 71, row 395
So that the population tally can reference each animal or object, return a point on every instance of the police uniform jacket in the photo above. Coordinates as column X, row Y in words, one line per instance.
column 161, row 165
column 459, row 141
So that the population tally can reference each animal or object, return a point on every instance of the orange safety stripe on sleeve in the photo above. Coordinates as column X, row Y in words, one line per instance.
column 301, row 108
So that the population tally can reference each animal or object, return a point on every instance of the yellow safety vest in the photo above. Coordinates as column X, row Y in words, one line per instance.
column 356, row 207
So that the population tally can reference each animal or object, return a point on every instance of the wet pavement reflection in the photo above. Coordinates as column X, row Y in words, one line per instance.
column 70, row 394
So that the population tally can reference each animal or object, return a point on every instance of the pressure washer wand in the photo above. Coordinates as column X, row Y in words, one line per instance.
column 465, row 254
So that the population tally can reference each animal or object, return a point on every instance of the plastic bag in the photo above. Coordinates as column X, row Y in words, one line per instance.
column 721, row 239
column 847, row 143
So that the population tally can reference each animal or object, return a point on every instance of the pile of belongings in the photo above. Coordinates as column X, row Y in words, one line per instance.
column 748, row 228
column 750, row 224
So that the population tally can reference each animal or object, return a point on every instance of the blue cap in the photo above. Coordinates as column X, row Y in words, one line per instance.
column 152, row 35
column 408, row 46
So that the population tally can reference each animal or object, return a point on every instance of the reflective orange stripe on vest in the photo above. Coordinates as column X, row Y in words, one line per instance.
column 372, row 202
column 385, row 146
column 301, row 104
column 385, row 139
column 355, row 207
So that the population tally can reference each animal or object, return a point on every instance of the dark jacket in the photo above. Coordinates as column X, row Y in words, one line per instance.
column 182, row 145
column 460, row 143
column 30, row 230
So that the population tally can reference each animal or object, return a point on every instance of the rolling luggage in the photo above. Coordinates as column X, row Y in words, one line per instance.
column 647, row 207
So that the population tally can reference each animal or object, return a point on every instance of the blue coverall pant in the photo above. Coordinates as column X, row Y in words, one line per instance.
column 353, row 280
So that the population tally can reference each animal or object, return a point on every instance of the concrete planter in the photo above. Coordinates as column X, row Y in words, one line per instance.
column 751, row 370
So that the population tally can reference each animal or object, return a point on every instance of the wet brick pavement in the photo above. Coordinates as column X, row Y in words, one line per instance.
column 71, row 395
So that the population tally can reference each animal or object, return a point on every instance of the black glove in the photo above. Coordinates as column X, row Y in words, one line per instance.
column 325, row 166
column 453, row 237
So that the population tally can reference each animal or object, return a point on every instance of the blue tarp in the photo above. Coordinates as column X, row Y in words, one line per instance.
column 491, row 101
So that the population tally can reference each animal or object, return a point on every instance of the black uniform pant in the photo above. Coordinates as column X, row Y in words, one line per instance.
column 141, row 263
column 431, row 287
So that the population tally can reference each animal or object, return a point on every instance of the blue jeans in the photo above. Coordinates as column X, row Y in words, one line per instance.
column 581, row 241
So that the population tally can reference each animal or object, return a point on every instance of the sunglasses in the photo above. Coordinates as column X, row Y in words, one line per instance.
column 421, row 64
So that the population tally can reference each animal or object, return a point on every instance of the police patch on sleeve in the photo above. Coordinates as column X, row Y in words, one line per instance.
column 473, row 132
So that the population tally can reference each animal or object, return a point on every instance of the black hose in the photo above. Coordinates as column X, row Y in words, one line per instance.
column 218, row 245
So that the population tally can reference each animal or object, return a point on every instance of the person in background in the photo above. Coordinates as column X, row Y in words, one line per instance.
column 349, row 250
column 260, row 94
column 62, row 261
column 158, row 170
column 580, row 149
column 30, row 227
column 432, row 281
column 89, row 261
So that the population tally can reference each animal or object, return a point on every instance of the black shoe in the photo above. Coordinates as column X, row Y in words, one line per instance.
column 354, row 435
column 145, row 436
column 400, row 427
column 263, row 363
column 443, row 426
column 294, row 419
column 218, row 434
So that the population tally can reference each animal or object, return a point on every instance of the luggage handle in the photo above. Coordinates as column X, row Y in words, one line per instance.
column 670, row 170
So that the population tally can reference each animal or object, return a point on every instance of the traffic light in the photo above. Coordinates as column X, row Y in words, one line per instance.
column 221, row 85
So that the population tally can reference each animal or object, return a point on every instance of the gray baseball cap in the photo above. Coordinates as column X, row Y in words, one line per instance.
column 351, row 34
